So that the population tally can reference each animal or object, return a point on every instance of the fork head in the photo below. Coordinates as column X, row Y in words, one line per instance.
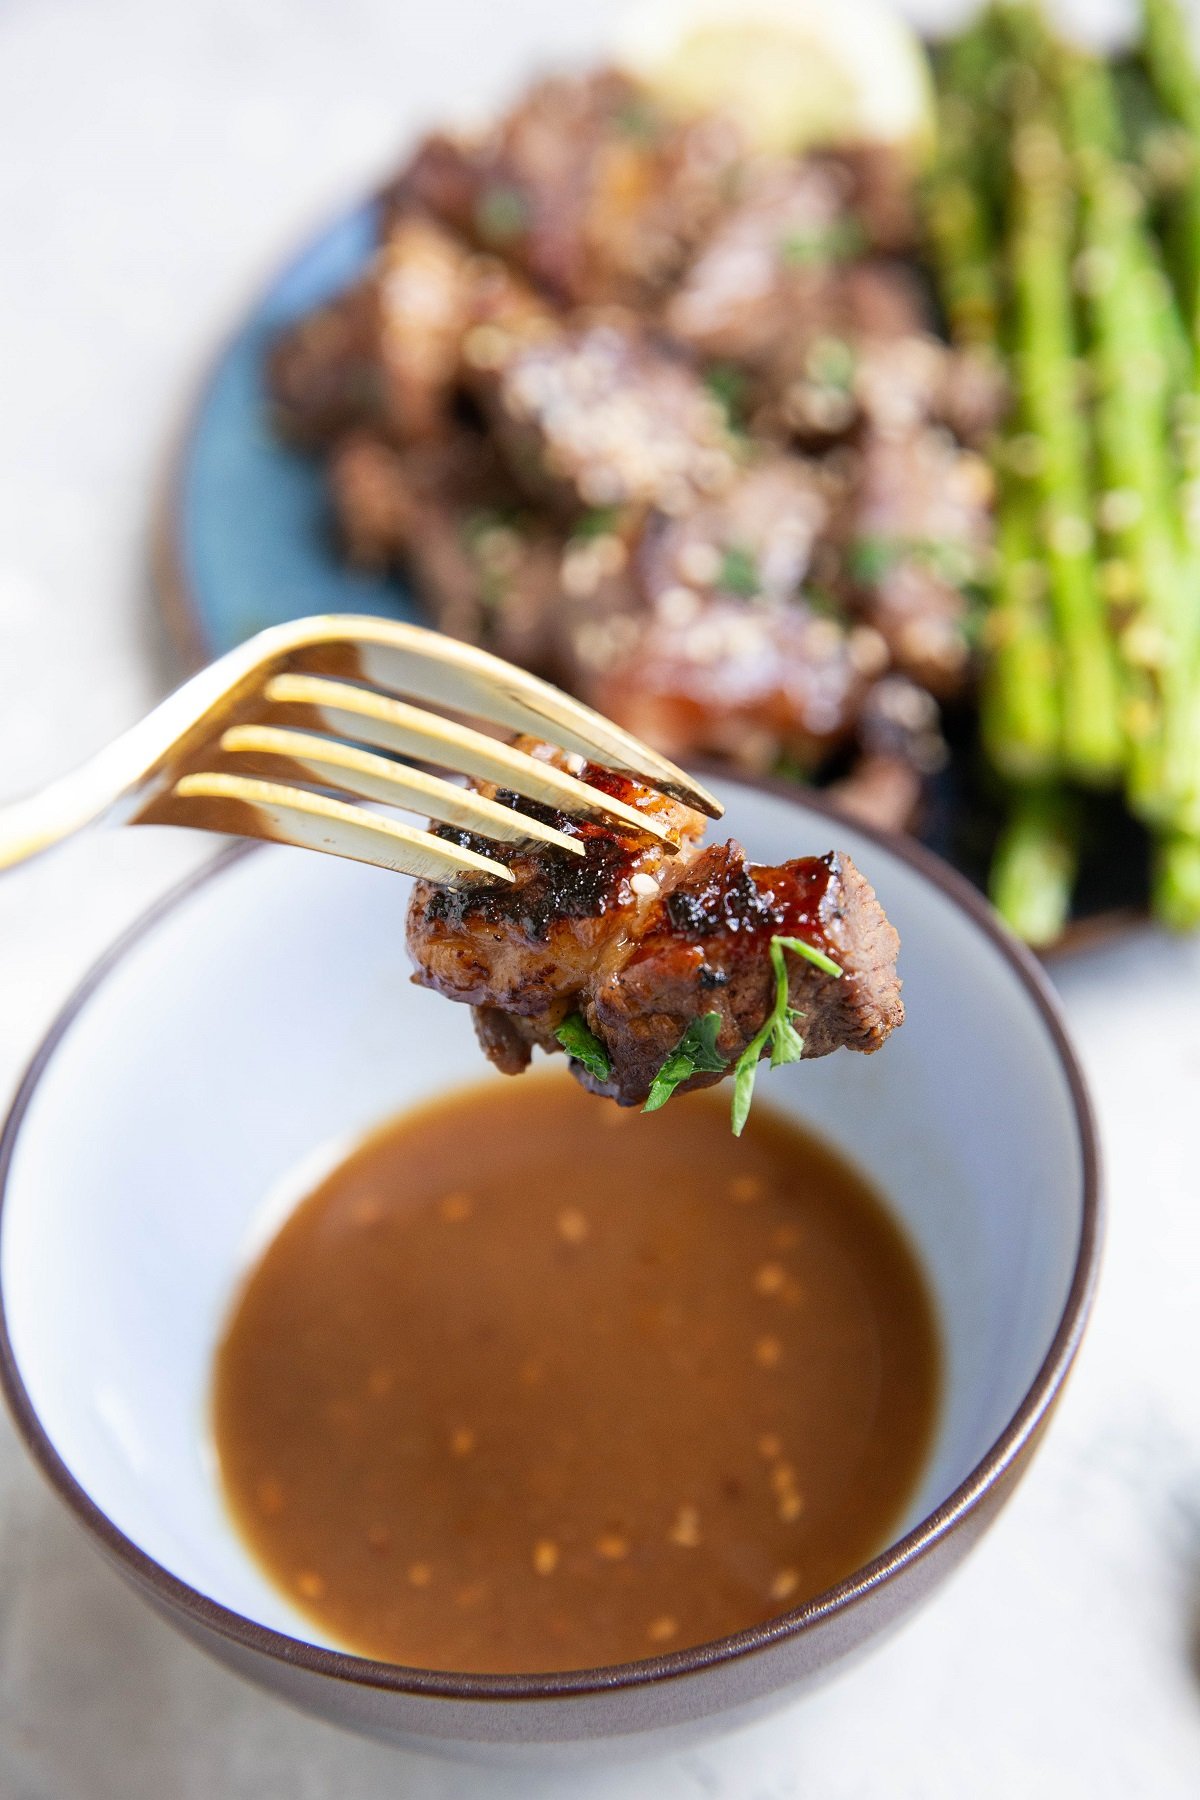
column 284, row 738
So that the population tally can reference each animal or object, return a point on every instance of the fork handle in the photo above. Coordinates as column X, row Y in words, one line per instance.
column 29, row 827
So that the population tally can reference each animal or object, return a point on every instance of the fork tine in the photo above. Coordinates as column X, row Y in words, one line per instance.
column 393, row 724
column 288, row 815
column 406, row 659
column 371, row 777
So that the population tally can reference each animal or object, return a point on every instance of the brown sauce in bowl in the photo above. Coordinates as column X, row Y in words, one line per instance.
column 531, row 1383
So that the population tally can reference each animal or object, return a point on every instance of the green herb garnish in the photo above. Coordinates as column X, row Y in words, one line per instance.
column 638, row 118
column 727, row 383
column 842, row 239
column 696, row 1050
column 501, row 213
column 584, row 1046
column 831, row 363
column 777, row 1030
column 739, row 572
column 598, row 521
column 873, row 558
column 492, row 539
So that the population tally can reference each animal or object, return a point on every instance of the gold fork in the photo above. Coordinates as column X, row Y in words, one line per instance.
column 269, row 742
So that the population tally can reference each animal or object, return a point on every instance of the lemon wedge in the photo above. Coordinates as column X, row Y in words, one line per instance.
column 796, row 74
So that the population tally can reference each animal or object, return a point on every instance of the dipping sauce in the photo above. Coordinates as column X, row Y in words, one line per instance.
column 532, row 1383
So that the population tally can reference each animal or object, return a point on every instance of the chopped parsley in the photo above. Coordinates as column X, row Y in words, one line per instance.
column 873, row 558
column 598, row 521
column 842, row 239
column 491, row 537
column 584, row 1046
column 696, row 1050
column 831, row 363
column 739, row 572
column 727, row 384
column 639, row 119
column 501, row 213
column 777, row 1031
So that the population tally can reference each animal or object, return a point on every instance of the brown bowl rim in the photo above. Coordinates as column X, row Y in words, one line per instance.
column 339, row 1665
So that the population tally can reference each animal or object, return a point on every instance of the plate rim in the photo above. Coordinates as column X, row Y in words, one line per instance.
column 171, row 589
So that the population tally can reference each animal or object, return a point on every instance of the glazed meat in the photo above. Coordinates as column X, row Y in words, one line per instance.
column 715, row 675
column 389, row 354
column 448, row 513
column 920, row 530
column 721, row 645
column 598, row 416
column 641, row 943
column 585, row 186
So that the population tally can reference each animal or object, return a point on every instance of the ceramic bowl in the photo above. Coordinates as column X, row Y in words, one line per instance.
column 263, row 1016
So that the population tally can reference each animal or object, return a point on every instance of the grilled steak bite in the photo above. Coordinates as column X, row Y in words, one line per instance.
column 598, row 416
column 920, row 531
column 585, row 186
column 712, row 674
column 638, row 945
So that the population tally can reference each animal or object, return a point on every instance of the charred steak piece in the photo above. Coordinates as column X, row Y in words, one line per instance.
column 727, row 646
column 387, row 354
column 597, row 415
column 585, row 186
column 641, row 945
column 446, row 512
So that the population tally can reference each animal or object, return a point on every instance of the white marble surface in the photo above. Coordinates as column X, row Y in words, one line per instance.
column 153, row 160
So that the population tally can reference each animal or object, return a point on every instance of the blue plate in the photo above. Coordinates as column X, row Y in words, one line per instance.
column 249, row 537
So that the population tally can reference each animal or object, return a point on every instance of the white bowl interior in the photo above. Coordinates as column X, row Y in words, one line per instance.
column 269, row 1018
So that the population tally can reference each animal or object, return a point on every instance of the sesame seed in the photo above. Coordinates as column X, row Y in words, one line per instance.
column 783, row 1478
column 771, row 1278
column 662, row 1628
column 609, row 553
column 419, row 1574
column 643, row 884
column 700, row 562
column 612, row 1546
column 580, row 574
column 545, row 1556
column 685, row 1531
column 767, row 1352
column 380, row 1382
column 454, row 1208
column 367, row 1212
column 769, row 1446
column 791, row 1505
column 486, row 347
column 572, row 1225
column 868, row 650
column 744, row 1188
column 310, row 1584
column 462, row 1441
column 270, row 1496
column 678, row 606
column 784, row 1584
